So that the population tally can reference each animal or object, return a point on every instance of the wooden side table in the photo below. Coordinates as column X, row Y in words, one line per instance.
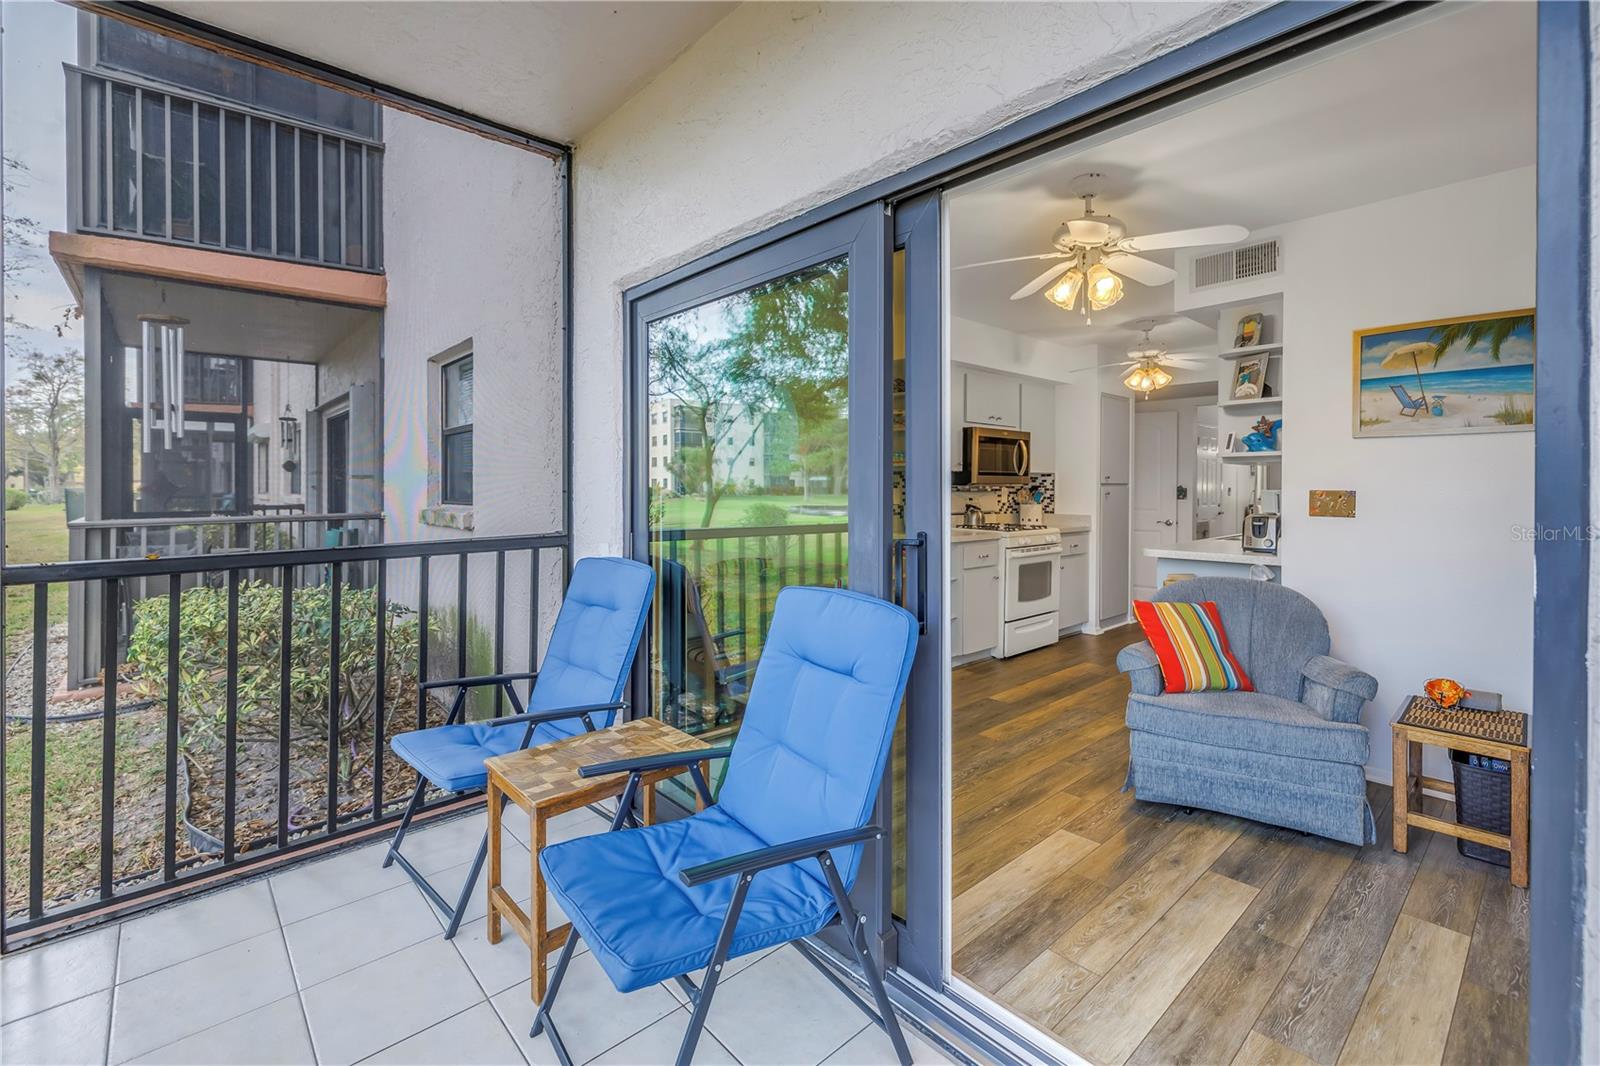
column 1497, row 734
column 544, row 782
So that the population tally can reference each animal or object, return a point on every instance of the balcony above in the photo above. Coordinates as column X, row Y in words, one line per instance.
column 152, row 163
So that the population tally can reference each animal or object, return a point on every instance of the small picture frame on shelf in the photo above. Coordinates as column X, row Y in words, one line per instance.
column 1230, row 445
column 1249, row 378
column 1248, row 333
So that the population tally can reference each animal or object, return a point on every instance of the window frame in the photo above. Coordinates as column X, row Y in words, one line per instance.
column 447, row 432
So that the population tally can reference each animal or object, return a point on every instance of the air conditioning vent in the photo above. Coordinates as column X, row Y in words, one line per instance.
column 1237, row 264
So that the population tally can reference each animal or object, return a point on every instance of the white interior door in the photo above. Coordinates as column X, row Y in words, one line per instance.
column 1155, row 493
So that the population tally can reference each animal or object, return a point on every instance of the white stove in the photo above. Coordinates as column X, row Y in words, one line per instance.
column 1029, row 575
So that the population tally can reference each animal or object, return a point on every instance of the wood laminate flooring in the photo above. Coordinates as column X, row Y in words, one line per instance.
column 1140, row 934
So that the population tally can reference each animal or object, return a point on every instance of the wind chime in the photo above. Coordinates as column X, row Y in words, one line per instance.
column 161, row 360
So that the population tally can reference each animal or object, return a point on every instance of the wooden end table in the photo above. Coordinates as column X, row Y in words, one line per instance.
column 1497, row 734
column 544, row 782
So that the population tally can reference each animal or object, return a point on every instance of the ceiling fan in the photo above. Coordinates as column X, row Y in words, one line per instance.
column 1149, row 362
column 1096, row 249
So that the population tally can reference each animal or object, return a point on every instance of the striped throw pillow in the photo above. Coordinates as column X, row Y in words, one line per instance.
column 1193, row 649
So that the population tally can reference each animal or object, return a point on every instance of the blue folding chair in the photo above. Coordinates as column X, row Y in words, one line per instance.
column 774, row 858
column 577, row 687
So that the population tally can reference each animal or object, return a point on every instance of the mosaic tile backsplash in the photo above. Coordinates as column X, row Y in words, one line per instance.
column 1007, row 497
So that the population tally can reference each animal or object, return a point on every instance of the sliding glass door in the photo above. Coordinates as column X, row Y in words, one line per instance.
column 760, row 400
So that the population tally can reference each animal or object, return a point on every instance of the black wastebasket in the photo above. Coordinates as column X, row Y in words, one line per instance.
column 1483, row 801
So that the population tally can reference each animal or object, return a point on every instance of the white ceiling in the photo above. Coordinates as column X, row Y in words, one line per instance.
column 1427, row 103
column 551, row 69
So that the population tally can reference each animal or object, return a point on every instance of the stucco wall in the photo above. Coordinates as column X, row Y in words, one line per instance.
column 781, row 107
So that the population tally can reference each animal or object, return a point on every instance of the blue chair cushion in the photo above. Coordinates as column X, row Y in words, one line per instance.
column 591, row 649
column 621, row 891
column 1248, row 721
column 451, row 756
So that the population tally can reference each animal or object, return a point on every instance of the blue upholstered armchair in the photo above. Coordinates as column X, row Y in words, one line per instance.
column 1290, row 753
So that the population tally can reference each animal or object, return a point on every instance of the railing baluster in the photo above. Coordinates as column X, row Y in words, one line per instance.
column 722, row 587
column 41, row 655
column 169, row 803
column 108, row 741
column 422, row 641
column 333, row 698
column 285, row 660
column 533, row 614
column 230, row 758
column 461, row 615
column 761, row 587
column 380, row 697
column 499, row 628
column 744, row 606
column 841, row 564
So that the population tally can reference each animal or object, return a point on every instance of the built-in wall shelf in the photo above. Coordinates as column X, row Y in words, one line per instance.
column 1260, row 403
column 1269, row 350
column 1251, row 458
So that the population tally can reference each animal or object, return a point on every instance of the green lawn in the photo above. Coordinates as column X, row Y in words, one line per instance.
column 36, row 533
column 685, row 512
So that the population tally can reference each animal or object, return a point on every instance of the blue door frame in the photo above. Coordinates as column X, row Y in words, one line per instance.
column 1561, row 626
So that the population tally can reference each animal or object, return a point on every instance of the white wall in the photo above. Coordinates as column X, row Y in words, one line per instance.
column 980, row 344
column 781, row 107
column 1430, row 578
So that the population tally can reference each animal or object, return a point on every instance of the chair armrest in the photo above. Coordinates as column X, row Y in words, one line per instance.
column 482, row 679
column 533, row 718
column 776, row 855
column 1139, row 662
column 1335, row 690
column 646, row 763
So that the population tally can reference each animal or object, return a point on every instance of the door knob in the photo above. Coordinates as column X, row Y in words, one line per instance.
column 1167, row 522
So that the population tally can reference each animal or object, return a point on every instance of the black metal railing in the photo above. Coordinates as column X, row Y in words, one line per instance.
column 247, row 712
column 156, row 164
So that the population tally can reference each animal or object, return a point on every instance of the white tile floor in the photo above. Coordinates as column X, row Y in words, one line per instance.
column 340, row 961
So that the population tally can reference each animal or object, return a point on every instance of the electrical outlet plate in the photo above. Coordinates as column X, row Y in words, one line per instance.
column 1333, row 503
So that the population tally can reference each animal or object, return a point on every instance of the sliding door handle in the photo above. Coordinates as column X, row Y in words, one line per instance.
column 901, row 546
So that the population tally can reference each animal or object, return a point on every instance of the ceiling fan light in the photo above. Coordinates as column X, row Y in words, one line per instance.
column 1147, row 378
column 1161, row 378
column 1105, row 288
column 1064, row 293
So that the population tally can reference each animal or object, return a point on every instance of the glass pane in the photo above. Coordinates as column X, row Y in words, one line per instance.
column 338, row 460
column 210, row 156
column 310, row 205
column 260, row 185
column 352, row 205
column 458, row 393
column 233, row 174
column 897, row 518
column 124, row 180
column 332, row 215
column 458, row 467
column 182, row 170
column 153, row 174
column 284, row 185
column 748, row 481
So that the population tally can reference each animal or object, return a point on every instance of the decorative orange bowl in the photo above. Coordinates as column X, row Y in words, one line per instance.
column 1445, row 692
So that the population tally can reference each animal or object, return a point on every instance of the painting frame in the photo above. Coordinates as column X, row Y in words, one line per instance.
column 1249, row 370
column 1395, row 407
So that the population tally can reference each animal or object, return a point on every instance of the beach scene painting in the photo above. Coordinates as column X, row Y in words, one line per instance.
column 1472, row 374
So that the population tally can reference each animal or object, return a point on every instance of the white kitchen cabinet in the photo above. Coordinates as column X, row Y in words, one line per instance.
column 993, row 399
column 954, row 603
column 1074, row 581
column 980, row 598
column 1039, row 419
column 1116, row 439
column 958, row 387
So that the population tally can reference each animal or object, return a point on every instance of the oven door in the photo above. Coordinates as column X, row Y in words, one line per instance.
column 1031, row 576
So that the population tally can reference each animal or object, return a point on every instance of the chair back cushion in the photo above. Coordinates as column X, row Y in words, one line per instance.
column 1272, row 630
column 1191, row 644
column 821, row 716
column 592, row 646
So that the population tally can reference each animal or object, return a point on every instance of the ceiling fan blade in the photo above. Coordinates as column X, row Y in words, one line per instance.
column 1014, row 259
column 1042, row 280
column 1144, row 271
column 1186, row 238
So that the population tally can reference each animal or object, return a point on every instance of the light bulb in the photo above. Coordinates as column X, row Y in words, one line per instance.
column 1064, row 293
column 1105, row 288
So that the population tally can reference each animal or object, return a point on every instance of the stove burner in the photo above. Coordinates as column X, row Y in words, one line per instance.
column 1012, row 527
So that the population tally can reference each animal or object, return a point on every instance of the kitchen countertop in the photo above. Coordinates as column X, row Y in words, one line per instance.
column 1214, row 550
column 1068, row 523
column 961, row 535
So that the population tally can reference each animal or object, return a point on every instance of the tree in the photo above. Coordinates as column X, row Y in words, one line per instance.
column 44, row 412
column 1470, row 334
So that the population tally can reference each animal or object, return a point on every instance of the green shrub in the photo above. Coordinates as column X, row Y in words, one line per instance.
column 16, row 498
column 203, row 658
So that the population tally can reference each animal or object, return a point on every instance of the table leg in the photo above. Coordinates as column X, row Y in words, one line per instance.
column 1402, row 788
column 495, row 803
column 1519, row 819
column 705, row 774
column 647, row 802
column 540, row 918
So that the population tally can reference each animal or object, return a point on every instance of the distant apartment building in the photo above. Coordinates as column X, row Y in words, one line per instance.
column 751, row 449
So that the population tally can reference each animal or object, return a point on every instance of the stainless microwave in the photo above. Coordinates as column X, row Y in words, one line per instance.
column 993, row 456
